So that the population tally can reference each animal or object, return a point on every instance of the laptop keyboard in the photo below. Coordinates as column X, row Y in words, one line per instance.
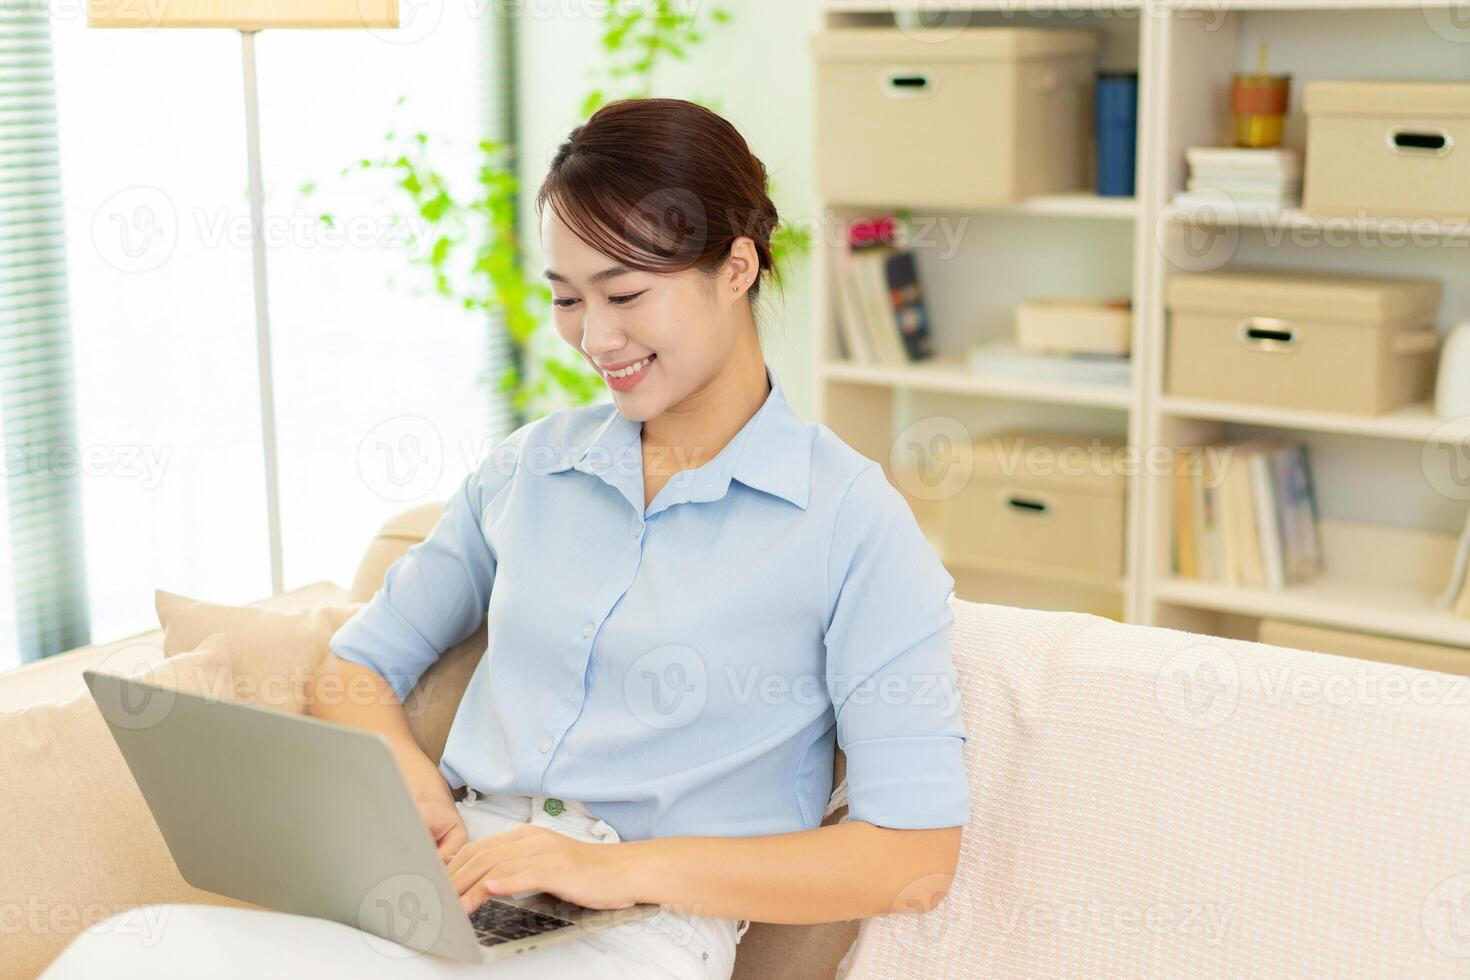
column 498, row 922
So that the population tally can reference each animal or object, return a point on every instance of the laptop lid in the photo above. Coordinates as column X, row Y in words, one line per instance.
column 288, row 812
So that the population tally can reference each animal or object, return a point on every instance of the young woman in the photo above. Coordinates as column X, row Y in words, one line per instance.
column 691, row 595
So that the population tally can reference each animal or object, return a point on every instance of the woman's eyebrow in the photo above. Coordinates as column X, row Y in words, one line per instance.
column 609, row 273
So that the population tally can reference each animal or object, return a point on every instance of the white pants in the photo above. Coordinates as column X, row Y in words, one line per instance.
column 190, row 941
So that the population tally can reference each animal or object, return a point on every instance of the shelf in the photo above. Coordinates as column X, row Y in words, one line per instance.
column 1295, row 219
column 930, row 7
column 1415, row 423
column 1074, row 205
column 1371, row 607
column 1077, row 206
column 952, row 376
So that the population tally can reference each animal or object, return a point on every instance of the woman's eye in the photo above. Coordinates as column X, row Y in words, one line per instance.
column 562, row 303
column 622, row 300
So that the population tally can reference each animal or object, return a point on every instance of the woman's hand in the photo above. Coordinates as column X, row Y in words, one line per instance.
column 534, row 858
column 445, row 825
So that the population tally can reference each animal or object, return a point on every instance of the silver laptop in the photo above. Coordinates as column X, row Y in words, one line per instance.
column 304, row 816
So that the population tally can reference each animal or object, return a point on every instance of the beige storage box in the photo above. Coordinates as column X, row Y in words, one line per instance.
column 1039, row 502
column 1388, row 148
column 1074, row 326
column 1360, row 345
column 933, row 117
column 1365, row 646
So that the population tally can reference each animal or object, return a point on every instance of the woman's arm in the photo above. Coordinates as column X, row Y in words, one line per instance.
column 847, row 870
column 432, row 597
column 350, row 694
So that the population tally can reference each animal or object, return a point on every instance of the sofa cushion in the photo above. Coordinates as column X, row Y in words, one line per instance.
column 78, row 843
column 59, row 678
column 396, row 536
column 274, row 653
column 1152, row 802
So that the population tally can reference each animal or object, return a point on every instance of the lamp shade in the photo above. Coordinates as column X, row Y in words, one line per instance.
column 243, row 15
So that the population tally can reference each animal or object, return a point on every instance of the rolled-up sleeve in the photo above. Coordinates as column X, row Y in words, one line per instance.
column 891, row 678
column 432, row 597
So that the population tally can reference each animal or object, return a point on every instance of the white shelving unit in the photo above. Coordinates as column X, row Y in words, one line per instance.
column 1385, row 565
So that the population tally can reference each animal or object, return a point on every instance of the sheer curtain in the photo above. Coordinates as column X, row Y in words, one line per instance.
column 383, row 401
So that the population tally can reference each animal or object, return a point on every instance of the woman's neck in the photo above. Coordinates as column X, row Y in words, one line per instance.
column 693, row 432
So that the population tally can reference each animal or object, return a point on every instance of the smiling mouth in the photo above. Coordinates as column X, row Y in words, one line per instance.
column 631, row 369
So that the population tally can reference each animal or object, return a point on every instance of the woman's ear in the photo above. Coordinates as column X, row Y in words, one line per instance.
column 742, row 268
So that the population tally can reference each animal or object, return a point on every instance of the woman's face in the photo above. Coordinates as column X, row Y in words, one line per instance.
column 677, row 325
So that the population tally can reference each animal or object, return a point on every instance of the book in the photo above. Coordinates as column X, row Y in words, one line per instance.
column 1246, row 515
column 1004, row 357
column 881, row 321
column 1186, row 549
column 852, row 328
column 906, row 299
column 1268, row 528
column 1244, row 161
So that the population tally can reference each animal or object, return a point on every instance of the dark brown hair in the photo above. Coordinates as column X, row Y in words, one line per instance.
column 662, row 185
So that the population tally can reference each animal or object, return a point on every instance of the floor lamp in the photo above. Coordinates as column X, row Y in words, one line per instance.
column 250, row 17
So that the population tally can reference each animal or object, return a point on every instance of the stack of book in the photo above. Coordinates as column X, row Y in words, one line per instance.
column 1242, row 179
column 1006, row 358
column 1246, row 515
column 883, row 318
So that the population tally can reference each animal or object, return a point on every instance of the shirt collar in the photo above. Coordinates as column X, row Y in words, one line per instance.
column 771, row 453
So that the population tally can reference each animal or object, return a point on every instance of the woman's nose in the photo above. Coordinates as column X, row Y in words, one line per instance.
column 599, row 336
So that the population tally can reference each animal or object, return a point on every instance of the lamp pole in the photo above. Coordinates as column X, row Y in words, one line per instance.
column 265, row 371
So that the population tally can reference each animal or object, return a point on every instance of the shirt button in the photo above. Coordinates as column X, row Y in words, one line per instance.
column 587, row 629
column 553, row 806
column 546, row 745
column 637, row 530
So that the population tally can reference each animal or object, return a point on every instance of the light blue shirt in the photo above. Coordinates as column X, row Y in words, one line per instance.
column 684, row 668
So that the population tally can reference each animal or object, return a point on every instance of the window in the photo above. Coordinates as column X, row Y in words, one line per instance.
column 382, row 400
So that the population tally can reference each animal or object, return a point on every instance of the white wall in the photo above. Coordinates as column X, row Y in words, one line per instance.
column 754, row 70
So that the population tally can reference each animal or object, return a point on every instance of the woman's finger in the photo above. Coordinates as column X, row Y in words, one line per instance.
column 507, row 878
column 454, row 839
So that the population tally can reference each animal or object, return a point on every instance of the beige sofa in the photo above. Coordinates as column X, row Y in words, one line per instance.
column 1145, row 802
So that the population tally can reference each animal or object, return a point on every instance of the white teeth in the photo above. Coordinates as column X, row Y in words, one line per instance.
column 630, row 369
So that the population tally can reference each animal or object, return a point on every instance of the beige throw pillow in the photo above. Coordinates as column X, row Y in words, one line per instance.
column 274, row 654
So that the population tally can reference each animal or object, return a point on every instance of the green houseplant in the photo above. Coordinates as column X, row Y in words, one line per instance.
column 472, row 254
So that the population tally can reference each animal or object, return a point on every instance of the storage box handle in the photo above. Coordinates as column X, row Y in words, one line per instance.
column 907, row 83
column 1267, row 333
column 1422, row 341
column 1025, row 505
column 1418, row 141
